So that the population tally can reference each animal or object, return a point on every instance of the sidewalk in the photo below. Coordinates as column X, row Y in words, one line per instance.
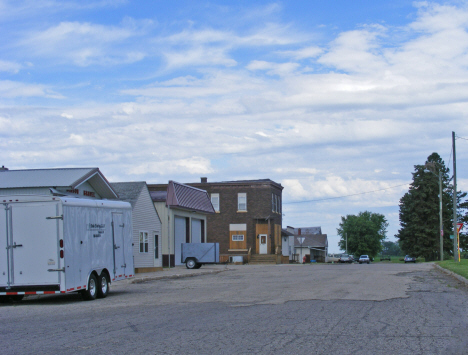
column 177, row 272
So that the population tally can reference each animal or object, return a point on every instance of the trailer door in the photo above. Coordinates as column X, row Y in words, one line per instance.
column 119, row 245
column 4, row 243
column 34, row 244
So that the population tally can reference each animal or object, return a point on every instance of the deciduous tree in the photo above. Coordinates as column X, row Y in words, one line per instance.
column 364, row 233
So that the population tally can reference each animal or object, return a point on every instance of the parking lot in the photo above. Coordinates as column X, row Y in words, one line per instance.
column 378, row 308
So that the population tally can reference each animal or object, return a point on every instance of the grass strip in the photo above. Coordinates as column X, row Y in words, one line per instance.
column 460, row 268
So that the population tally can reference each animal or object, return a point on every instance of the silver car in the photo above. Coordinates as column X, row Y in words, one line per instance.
column 364, row 259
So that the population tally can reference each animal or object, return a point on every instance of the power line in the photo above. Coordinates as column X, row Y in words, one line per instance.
column 461, row 138
column 333, row 198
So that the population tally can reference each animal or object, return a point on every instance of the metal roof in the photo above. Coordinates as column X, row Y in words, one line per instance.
column 188, row 197
column 66, row 177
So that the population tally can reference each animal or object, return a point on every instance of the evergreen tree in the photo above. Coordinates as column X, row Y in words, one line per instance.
column 419, row 211
column 364, row 233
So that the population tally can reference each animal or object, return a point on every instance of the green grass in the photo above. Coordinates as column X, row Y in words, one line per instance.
column 460, row 268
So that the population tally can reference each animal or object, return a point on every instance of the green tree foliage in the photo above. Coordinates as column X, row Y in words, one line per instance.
column 365, row 233
column 390, row 248
column 419, row 235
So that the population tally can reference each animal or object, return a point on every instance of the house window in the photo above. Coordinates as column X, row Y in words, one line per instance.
column 215, row 201
column 273, row 202
column 144, row 242
column 242, row 201
column 237, row 237
column 156, row 246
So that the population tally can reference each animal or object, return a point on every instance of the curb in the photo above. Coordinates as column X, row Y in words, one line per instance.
column 451, row 273
column 176, row 276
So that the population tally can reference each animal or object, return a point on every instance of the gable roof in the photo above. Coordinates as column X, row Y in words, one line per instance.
column 308, row 230
column 188, row 197
column 129, row 191
column 54, row 178
column 311, row 240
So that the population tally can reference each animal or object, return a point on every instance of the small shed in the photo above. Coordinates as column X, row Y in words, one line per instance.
column 183, row 210
column 147, row 239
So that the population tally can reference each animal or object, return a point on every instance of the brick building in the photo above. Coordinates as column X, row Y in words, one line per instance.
column 248, row 216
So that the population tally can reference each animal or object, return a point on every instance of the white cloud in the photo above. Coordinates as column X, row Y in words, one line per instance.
column 192, row 165
column 10, row 67
column 86, row 43
column 12, row 89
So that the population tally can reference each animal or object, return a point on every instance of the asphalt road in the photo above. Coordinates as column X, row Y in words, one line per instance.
column 286, row 309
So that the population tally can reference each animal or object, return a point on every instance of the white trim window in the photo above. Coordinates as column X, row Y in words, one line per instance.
column 237, row 237
column 215, row 201
column 242, row 201
column 144, row 242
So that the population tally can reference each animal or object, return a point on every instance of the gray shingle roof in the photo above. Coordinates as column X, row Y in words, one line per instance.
column 129, row 191
column 311, row 240
column 308, row 230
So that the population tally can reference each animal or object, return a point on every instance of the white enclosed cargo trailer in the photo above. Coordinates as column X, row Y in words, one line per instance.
column 62, row 244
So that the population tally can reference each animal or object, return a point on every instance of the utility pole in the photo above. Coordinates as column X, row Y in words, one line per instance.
column 440, row 218
column 455, row 231
column 346, row 243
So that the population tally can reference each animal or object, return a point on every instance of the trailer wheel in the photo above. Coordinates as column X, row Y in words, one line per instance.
column 198, row 266
column 91, row 293
column 190, row 263
column 103, row 286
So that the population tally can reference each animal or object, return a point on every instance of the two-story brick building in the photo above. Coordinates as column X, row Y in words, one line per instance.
column 248, row 216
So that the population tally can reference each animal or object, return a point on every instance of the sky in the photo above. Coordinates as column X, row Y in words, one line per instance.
column 328, row 98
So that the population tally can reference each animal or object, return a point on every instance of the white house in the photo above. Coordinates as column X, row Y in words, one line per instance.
column 147, row 239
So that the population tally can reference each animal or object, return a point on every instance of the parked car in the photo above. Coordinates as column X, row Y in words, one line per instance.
column 364, row 259
column 410, row 259
column 345, row 258
column 356, row 259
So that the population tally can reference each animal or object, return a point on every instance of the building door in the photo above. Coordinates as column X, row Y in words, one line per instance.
column 180, row 236
column 196, row 230
column 263, row 243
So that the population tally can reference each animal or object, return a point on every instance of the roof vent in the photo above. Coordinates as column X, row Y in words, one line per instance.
column 3, row 168
column 204, row 180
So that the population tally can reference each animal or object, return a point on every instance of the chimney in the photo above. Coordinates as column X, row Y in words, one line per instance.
column 204, row 180
column 3, row 168
column 299, row 231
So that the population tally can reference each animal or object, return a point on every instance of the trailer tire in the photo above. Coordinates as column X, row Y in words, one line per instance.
column 198, row 266
column 190, row 263
column 90, row 293
column 103, row 286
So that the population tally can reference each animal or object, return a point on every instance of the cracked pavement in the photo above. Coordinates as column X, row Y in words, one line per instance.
column 282, row 309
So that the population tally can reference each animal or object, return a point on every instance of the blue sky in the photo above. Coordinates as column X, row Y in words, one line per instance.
column 328, row 98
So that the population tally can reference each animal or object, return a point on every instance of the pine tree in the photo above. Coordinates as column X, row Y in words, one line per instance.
column 419, row 211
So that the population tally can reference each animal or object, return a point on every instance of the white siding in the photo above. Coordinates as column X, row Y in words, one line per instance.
column 26, row 191
column 145, row 219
